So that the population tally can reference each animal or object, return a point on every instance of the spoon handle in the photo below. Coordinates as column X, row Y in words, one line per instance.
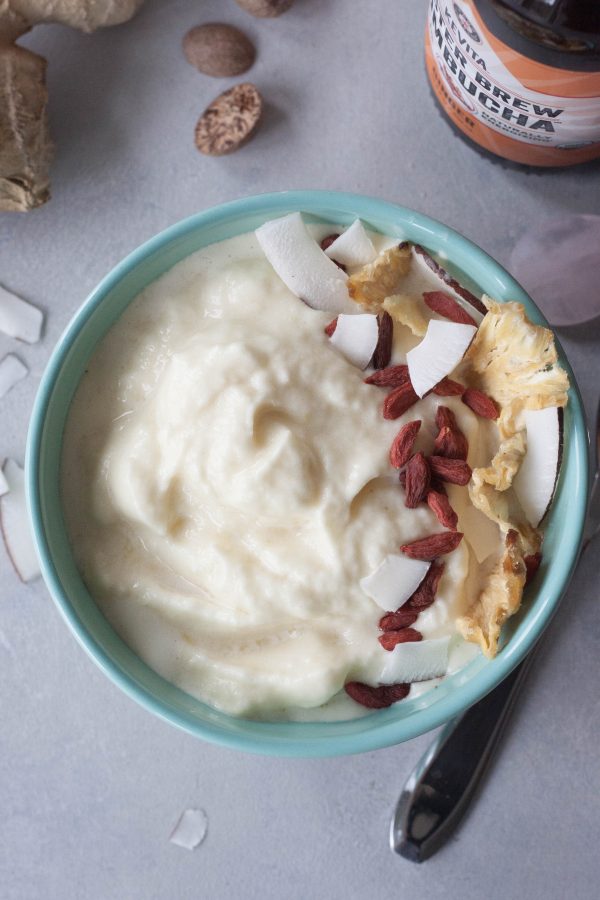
column 441, row 786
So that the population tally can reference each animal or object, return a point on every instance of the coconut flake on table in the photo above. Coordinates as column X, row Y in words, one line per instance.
column 20, row 319
column 535, row 481
column 356, row 338
column 438, row 354
column 353, row 247
column 14, row 522
column 12, row 370
column 415, row 661
column 394, row 581
column 190, row 830
column 302, row 266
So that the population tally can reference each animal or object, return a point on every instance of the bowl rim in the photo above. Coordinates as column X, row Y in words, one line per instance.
column 384, row 732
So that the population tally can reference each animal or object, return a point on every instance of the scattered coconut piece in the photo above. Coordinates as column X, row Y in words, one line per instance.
column 415, row 661
column 265, row 9
column 356, row 338
column 219, row 50
column 190, row 830
column 438, row 354
column 14, row 522
column 12, row 370
column 394, row 581
column 4, row 488
column 302, row 265
column 229, row 121
column 353, row 247
column 18, row 318
column 536, row 479
column 428, row 265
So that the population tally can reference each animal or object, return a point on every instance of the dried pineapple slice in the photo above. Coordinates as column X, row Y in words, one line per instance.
column 506, row 462
column 515, row 361
column 376, row 281
column 407, row 309
column 499, row 600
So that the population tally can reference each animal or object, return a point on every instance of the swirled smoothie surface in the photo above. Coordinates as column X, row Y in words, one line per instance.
column 226, row 485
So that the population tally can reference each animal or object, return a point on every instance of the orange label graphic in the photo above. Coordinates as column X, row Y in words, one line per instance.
column 474, row 77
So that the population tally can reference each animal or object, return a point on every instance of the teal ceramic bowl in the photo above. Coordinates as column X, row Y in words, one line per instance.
column 106, row 303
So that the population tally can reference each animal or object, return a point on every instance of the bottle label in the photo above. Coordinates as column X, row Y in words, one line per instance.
column 474, row 76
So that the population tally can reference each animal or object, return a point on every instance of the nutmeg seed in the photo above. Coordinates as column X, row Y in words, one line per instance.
column 229, row 120
column 219, row 50
column 265, row 9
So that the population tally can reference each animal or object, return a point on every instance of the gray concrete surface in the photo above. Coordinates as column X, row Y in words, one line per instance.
column 91, row 784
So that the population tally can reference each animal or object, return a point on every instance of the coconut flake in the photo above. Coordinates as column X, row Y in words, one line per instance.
column 353, row 247
column 14, row 522
column 302, row 266
column 12, row 370
column 18, row 318
column 415, row 661
column 535, row 481
column 434, row 273
column 356, row 338
column 4, row 488
column 438, row 354
column 190, row 830
column 394, row 581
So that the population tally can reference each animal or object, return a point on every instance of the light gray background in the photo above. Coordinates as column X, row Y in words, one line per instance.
column 91, row 784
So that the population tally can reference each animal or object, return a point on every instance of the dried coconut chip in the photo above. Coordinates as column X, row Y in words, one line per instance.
column 353, row 247
column 427, row 264
column 356, row 337
column 302, row 266
column 415, row 661
column 20, row 319
column 14, row 521
column 394, row 580
column 535, row 481
column 438, row 354
column 190, row 829
column 12, row 370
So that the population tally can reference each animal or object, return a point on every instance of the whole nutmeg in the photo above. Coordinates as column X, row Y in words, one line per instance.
column 229, row 121
column 265, row 9
column 219, row 50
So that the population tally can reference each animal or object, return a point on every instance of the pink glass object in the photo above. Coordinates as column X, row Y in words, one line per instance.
column 558, row 263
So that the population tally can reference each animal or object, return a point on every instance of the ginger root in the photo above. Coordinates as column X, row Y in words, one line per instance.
column 25, row 144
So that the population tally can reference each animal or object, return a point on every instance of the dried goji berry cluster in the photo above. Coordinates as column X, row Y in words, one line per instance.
column 423, row 478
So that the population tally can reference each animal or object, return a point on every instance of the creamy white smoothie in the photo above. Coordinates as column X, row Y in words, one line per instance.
column 226, row 485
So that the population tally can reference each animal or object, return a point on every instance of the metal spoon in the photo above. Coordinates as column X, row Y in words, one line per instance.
column 441, row 787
